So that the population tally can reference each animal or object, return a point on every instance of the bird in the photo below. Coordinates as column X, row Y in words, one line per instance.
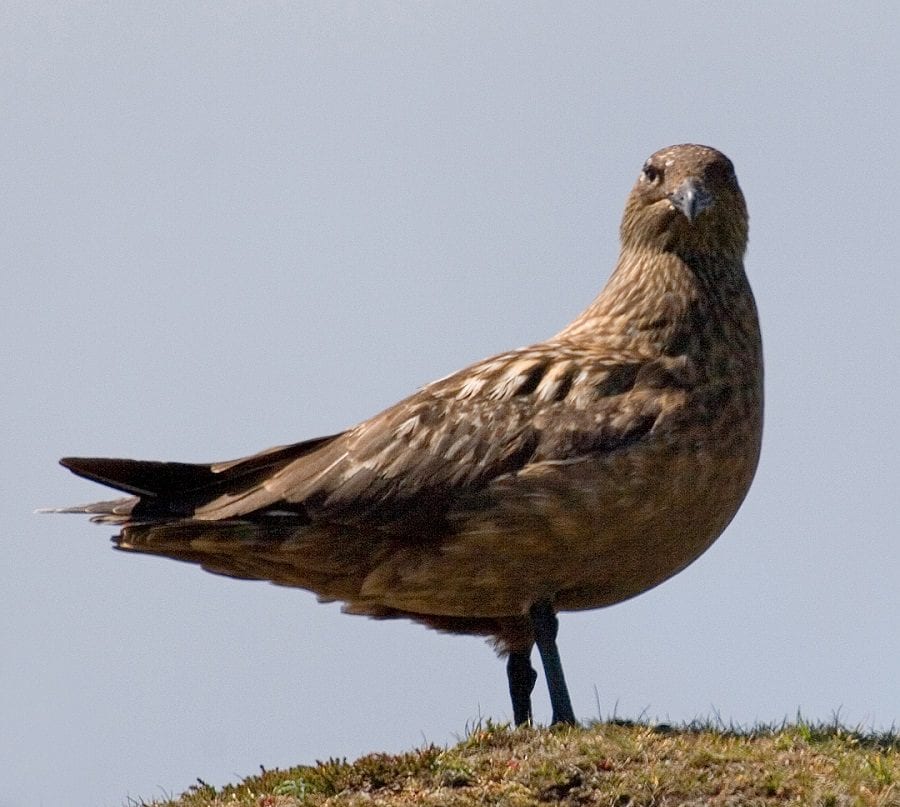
column 568, row 475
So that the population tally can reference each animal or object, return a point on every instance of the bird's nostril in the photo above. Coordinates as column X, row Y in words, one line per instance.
column 691, row 198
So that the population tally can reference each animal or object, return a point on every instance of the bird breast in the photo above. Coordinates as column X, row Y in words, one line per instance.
column 587, row 532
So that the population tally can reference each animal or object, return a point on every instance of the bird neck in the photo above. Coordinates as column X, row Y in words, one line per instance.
column 655, row 297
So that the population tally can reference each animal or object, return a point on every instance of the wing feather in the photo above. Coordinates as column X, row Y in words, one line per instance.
column 455, row 436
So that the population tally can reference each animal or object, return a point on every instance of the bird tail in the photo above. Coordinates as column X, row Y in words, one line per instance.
column 169, row 490
column 114, row 511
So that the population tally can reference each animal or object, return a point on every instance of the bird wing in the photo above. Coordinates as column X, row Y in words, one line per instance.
column 456, row 435
column 166, row 489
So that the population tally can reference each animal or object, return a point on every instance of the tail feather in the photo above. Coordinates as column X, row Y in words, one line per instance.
column 116, row 511
column 176, row 489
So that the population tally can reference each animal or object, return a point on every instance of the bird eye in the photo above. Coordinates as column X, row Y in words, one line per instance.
column 651, row 172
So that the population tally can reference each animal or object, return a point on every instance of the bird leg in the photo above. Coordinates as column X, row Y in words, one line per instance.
column 521, row 682
column 544, row 624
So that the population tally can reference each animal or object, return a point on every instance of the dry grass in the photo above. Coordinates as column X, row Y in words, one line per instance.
column 615, row 763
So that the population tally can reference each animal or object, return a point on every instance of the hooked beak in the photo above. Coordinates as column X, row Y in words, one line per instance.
column 691, row 198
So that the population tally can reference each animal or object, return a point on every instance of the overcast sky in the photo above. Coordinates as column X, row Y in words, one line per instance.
column 229, row 225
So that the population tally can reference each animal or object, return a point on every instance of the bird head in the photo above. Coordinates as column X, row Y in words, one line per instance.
column 687, row 200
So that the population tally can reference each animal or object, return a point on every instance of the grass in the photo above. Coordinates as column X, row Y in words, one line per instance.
column 618, row 763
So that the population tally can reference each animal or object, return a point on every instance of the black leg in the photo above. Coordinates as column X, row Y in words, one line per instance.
column 544, row 624
column 521, row 681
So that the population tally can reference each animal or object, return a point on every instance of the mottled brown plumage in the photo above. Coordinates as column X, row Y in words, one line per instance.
column 568, row 475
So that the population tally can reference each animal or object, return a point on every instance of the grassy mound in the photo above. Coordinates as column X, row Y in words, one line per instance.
column 618, row 763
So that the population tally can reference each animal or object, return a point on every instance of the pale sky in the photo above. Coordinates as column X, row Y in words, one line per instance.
column 231, row 225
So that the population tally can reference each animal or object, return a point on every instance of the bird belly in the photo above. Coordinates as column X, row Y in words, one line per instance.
column 585, row 534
